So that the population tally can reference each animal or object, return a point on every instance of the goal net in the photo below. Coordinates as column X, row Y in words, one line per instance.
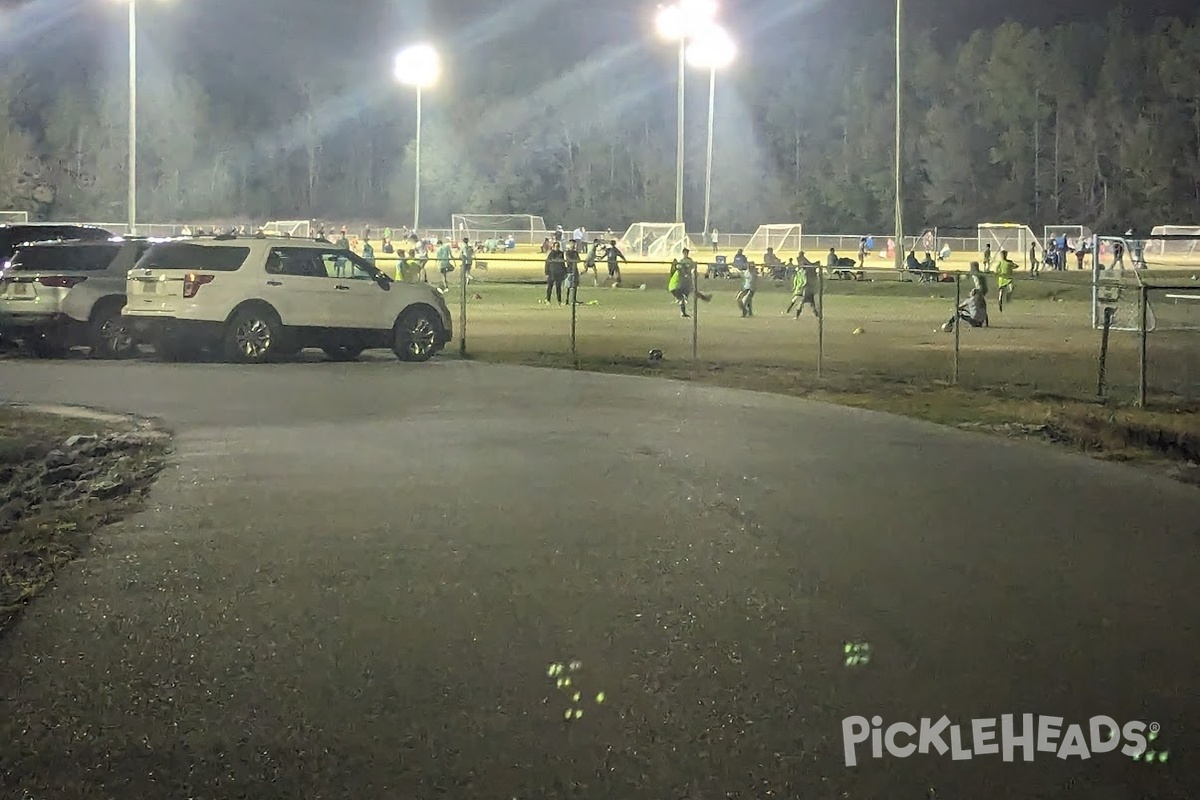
column 1182, row 247
column 524, row 228
column 295, row 228
column 1010, row 236
column 780, row 238
column 656, row 240
column 13, row 217
column 1119, row 288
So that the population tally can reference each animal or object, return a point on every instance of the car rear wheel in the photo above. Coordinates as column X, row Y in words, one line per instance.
column 253, row 336
column 416, row 335
column 110, row 335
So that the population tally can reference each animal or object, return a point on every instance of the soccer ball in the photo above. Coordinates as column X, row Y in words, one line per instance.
column 655, row 355
column 858, row 331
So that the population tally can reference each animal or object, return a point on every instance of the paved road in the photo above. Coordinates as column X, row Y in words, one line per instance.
column 353, row 578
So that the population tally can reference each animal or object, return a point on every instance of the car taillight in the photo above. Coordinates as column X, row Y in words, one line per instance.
column 193, row 282
column 60, row 281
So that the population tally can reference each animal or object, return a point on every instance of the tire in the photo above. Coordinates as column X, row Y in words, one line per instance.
column 343, row 352
column 253, row 336
column 416, row 335
column 109, row 336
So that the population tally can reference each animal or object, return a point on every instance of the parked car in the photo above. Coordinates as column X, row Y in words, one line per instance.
column 254, row 299
column 11, row 236
column 58, row 295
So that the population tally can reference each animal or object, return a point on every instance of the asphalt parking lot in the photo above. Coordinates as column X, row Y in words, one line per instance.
column 354, row 579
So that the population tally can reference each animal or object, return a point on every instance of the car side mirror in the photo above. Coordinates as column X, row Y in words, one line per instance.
column 383, row 281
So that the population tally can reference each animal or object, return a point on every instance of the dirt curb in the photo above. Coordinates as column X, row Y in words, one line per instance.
column 64, row 473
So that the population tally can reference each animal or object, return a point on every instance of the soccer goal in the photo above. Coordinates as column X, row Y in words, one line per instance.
column 1119, row 289
column 1010, row 236
column 14, row 217
column 658, row 241
column 524, row 228
column 782, row 238
column 295, row 228
column 1181, row 247
column 1075, row 235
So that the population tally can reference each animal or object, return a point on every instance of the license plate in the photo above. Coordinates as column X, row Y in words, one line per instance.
column 19, row 290
column 149, row 287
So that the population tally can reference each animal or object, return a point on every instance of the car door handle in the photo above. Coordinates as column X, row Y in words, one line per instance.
column 342, row 288
column 274, row 283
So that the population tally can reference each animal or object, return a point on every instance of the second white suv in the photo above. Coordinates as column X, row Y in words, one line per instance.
column 255, row 299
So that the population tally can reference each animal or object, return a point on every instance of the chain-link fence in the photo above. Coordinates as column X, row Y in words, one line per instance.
column 876, row 326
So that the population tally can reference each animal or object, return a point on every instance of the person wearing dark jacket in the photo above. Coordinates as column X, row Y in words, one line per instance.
column 613, row 255
column 556, row 272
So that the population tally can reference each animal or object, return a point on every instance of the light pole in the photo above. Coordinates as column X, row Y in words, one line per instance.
column 713, row 49
column 679, row 22
column 131, row 172
column 899, row 155
column 418, row 66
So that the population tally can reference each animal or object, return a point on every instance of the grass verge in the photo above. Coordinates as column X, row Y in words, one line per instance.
column 62, row 478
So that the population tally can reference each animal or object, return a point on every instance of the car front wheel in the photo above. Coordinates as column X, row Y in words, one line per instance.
column 253, row 336
column 416, row 335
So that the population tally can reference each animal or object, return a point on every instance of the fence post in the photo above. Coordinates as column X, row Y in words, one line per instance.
column 820, row 322
column 1143, row 306
column 462, row 325
column 696, row 315
column 957, row 327
column 574, row 299
column 1101, row 383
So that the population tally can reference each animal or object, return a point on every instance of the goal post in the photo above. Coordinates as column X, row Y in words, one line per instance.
column 524, row 228
column 658, row 241
column 1011, row 236
column 779, row 237
column 294, row 228
column 14, row 217
column 1175, row 244
column 1118, row 286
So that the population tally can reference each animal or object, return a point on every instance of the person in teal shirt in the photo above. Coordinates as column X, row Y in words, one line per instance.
column 444, row 265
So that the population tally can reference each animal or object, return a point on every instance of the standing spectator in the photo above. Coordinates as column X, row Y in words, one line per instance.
column 368, row 252
column 803, row 288
column 1033, row 259
column 614, row 254
column 443, row 256
column 862, row 253
column 1004, row 279
column 1118, row 251
column 366, row 234
column 1081, row 252
column 559, row 235
column 387, row 233
column 467, row 254
column 572, row 261
column 556, row 272
column 716, row 239
column 987, row 257
column 577, row 237
column 745, row 298
column 342, row 242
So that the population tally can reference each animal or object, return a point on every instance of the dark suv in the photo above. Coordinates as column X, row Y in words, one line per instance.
column 11, row 236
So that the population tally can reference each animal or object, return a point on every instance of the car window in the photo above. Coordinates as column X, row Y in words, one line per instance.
column 189, row 256
column 342, row 264
column 75, row 258
column 299, row 262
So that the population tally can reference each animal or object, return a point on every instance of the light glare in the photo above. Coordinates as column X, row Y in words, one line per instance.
column 685, row 19
column 712, row 48
column 418, row 66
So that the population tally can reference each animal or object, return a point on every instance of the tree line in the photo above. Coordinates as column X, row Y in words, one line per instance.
column 1095, row 123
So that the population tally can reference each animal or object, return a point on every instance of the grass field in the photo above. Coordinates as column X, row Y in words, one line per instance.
column 1042, row 343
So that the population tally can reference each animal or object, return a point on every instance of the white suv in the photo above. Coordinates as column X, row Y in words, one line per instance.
column 254, row 299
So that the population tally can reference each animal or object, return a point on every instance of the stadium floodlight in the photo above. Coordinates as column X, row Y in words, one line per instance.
column 679, row 22
column 711, row 49
column 131, row 172
column 418, row 66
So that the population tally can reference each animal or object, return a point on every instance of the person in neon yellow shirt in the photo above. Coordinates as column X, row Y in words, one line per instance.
column 1004, row 278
